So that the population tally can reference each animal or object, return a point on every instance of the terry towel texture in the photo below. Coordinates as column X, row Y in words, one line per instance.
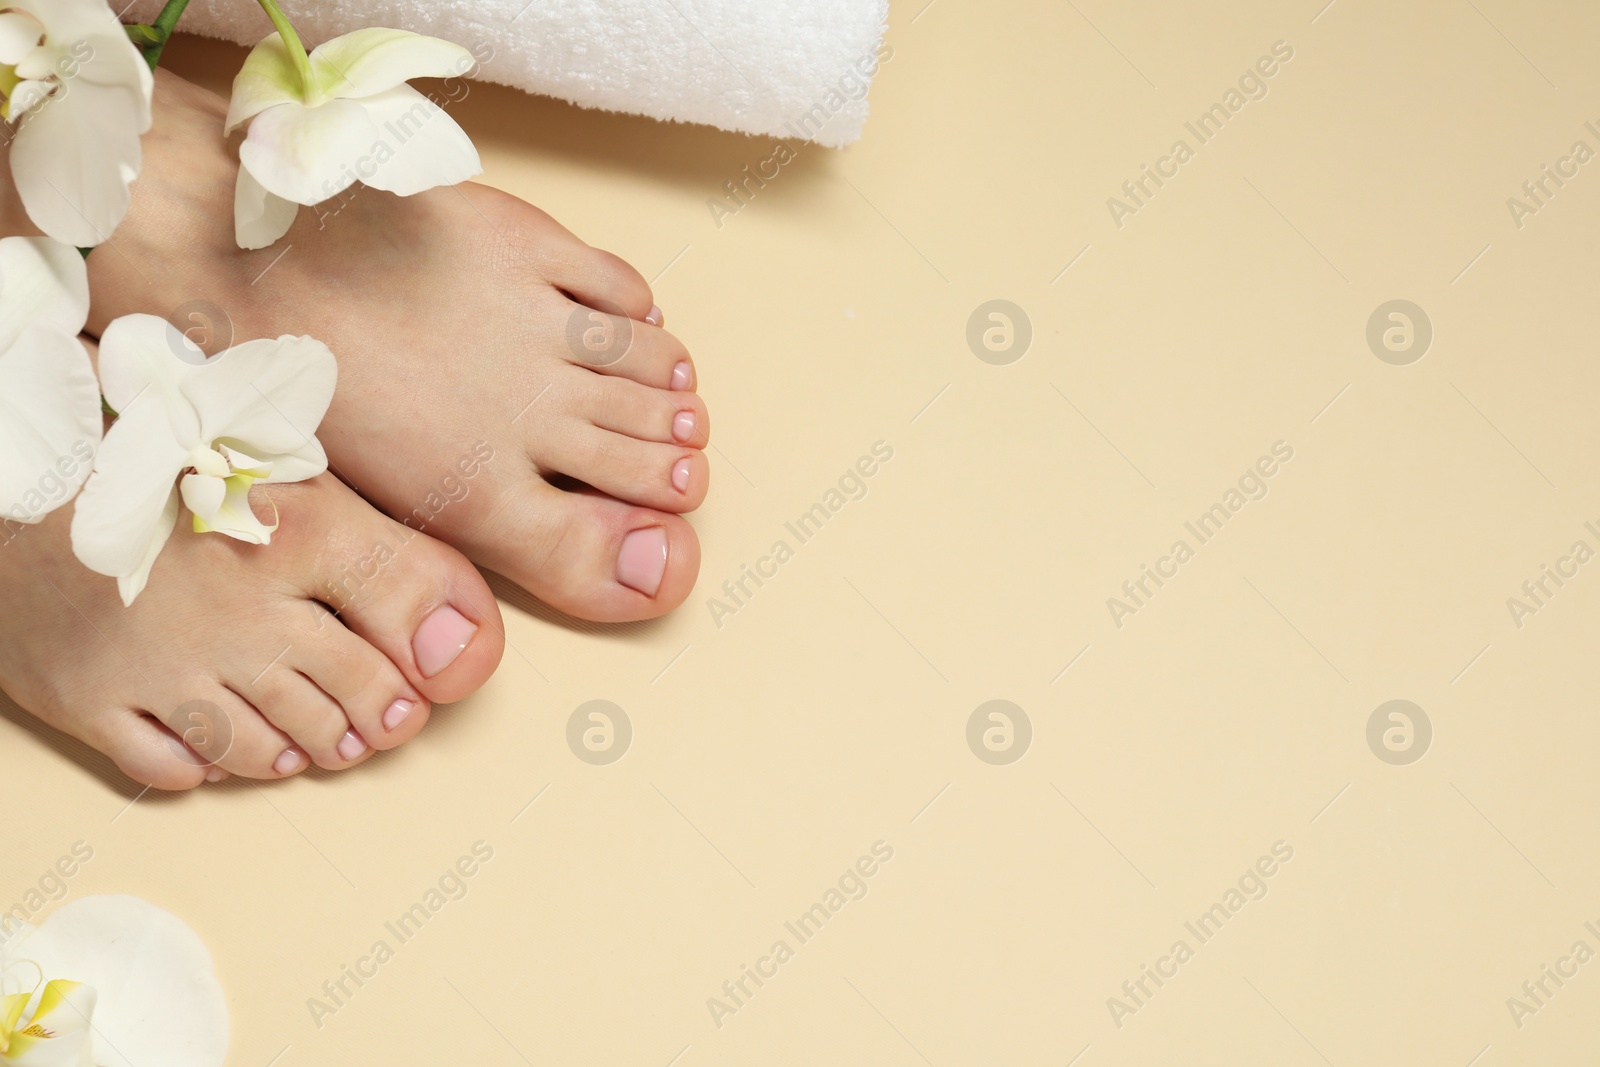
column 792, row 68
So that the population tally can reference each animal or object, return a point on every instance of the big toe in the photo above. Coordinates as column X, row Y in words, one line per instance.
column 418, row 602
column 593, row 556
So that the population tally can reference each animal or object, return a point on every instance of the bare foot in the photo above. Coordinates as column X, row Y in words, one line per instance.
column 462, row 322
column 232, row 649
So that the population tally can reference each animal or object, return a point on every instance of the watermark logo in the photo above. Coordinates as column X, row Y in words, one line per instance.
column 206, row 730
column 1399, row 332
column 999, row 732
column 599, row 732
column 999, row 332
column 598, row 338
column 1399, row 732
column 206, row 327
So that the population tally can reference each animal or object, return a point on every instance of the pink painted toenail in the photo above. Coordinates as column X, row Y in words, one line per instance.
column 680, row 475
column 397, row 713
column 351, row 746
column 682, row 376
column 643, row 560
column 655, row 318
column 287, row 761
column 683, row 425
column 440, row 639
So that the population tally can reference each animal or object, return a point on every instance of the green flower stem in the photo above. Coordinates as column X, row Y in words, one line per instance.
column 160, row 31
column 297, row 51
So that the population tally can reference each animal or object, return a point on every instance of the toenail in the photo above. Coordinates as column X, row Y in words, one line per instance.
column 216, row 774
column 680, row 475
column 643, row 560
column 682, row 376
column 683, row 425
column 397, row 713
column 286, row 762
column 351, row 746
column 440, row 639
column 655, row 318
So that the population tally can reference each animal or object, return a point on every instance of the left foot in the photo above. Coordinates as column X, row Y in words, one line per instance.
column 463, row 408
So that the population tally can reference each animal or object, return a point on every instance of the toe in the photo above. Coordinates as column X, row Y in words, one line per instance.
column 648, row 414
column 613, row 344
column 384, row 709
column 410, row 598
column 605, row 281
column 311, row 718
column 226, row 731
column 669, row 477
column 426, row 609
column 151, row 754
column 593, row 556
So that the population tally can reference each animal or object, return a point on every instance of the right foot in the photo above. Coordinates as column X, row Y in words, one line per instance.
column 229, row 662
column 452, row 314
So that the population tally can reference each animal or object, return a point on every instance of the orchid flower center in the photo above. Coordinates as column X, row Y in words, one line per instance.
column 34, row 72
column 220, row 461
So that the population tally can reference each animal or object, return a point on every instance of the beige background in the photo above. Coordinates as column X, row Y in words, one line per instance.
column 830, row 712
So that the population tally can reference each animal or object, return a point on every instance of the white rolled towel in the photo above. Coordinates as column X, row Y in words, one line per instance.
column 789, row 68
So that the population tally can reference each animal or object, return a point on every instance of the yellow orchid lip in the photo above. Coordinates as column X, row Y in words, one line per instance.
column 28, row 1043
column 9, row 80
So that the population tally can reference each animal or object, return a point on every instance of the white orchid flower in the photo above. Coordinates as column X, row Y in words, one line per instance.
column 142, row 990
column 198, row 431
column 320, row 123
column 81, row 92
column 49, row 399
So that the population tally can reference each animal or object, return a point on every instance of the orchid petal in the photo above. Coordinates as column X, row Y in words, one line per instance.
column 74, row 159
column 159, row 1001
column 131, row 584
column 428, row 148
column 259, row 217
column 267, row 79
column 202, row 494
column 111, row 61
column 20, row 33
column 27, row 97
column 269, row 396
column 77, row 150
column 142, row 354
column 302, row 464
column 376, row 59
column 129, row 507
column 240, row 462
column 69, row 21
column 43, row 283
column 224, row 508
column 308, row 154
column 12, row 1006
column 49, row 423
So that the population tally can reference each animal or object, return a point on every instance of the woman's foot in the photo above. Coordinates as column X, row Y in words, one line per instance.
column 231, row 648
column 476, row 384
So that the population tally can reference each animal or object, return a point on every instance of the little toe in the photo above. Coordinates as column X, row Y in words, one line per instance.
column 151, row 754
column 226, row 731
